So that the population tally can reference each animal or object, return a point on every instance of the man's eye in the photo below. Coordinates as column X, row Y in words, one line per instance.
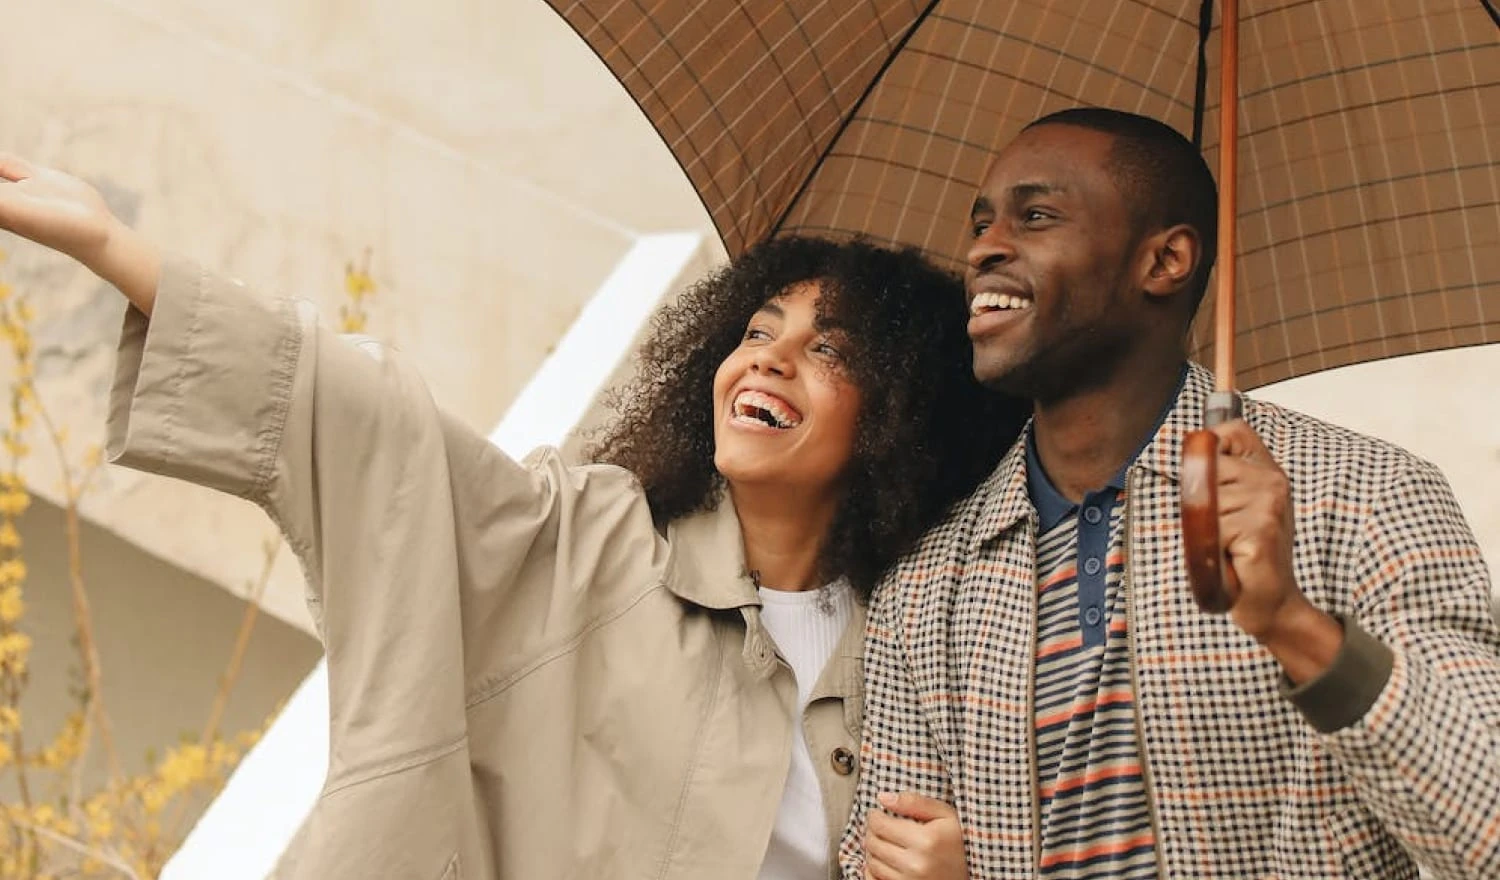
column 980, row 228
column 1034, row 215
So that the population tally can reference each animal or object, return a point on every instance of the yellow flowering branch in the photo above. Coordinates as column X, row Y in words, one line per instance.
column 359, row 285
column 130, row 826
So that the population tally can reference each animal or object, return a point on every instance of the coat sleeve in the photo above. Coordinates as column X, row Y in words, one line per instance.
column 897, row 752
column 1411, row 710
column 423, row 545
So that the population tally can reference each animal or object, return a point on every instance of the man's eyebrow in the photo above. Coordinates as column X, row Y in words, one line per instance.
column 1017, row 194
column 1031, row 189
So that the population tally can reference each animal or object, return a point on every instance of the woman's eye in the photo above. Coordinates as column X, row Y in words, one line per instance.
column 755, row 333
column 826, row 350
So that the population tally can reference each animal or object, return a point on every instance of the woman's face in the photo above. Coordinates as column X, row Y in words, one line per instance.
column 784, row 408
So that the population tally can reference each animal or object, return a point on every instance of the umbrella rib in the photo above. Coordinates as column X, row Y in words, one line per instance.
column 1489, row 6
column 1200, row 91
column 849, row 118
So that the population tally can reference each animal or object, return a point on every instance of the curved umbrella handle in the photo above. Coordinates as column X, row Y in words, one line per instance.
column 1210, row 573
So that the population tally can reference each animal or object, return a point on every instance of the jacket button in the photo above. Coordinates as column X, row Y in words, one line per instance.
column 842, row 760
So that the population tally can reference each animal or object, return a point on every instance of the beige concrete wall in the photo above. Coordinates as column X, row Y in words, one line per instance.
column 476, row 147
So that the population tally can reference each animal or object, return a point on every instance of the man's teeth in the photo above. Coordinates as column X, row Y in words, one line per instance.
column 760, row 408
column 986, row 302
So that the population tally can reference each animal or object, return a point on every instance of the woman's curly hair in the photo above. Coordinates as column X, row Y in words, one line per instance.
column 927, row 433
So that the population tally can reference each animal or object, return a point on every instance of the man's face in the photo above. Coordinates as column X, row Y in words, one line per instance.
column 1051, row 301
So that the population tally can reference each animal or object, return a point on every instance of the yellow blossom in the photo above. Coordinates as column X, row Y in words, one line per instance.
column 11, row 609
column 153, row 798
column 357, row 283
column 182, row 767
column 6, row 756
column 12, row 571
column 13, row 504
column 100, row 820
column 65, row 747
column 14, row 647
column 10, row 539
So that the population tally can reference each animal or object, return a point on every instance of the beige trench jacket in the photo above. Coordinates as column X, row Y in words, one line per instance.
column 527, row 679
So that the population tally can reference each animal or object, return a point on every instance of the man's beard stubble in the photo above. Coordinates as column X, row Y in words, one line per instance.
column 1081, row 361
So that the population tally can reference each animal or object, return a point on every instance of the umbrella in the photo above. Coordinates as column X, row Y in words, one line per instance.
column 1367, row 198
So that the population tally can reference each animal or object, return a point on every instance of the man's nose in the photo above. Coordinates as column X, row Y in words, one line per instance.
column 990, row 250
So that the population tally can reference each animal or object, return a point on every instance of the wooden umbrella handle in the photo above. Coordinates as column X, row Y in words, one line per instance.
column 1209, row 572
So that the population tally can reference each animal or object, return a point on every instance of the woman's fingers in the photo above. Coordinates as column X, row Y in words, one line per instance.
column 14, row 168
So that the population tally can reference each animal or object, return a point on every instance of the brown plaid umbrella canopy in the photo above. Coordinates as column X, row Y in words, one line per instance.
column 1369, row 195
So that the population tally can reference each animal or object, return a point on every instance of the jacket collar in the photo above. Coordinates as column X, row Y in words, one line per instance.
column 1005, row 496
column 707, row 565
column 707, row 568
column 1163, row 454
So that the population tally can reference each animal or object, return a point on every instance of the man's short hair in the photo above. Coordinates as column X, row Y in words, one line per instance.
column 1161, row 174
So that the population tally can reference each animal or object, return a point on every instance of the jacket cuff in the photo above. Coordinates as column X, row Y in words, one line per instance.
column 1342, row 695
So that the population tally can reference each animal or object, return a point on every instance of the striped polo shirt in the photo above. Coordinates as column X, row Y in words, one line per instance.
column 1095, row 817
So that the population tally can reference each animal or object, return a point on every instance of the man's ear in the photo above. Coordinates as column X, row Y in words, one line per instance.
column 1170, row 257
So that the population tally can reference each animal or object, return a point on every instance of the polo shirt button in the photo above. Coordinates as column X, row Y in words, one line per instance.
column 1091, row 615
column 842, row 760
column 1093, row 515
column 1091, row 565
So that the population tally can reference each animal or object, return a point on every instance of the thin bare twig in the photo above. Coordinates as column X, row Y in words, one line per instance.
column 236, row 657
column 79, row 847
column 82, row 615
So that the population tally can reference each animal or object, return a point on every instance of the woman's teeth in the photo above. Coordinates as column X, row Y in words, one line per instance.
column 763, row 409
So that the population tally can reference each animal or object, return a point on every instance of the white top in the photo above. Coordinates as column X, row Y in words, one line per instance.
column 806, row 627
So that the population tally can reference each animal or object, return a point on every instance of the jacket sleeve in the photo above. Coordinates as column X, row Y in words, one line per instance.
column 248, row 394
column 395, row 511
column 1411, row 710
column 897, row 751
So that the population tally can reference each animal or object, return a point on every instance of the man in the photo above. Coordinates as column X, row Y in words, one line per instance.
column 1039, row 661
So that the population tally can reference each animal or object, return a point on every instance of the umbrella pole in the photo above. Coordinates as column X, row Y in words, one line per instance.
column 1229, row 143
column 1211, row 576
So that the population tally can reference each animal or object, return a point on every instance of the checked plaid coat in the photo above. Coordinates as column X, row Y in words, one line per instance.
column 1396, row 757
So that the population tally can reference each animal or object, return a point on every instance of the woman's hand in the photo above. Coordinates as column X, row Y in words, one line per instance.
column 61, row 212
column 921, row 840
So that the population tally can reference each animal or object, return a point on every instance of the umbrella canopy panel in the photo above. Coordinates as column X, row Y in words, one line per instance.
column 1369, row 196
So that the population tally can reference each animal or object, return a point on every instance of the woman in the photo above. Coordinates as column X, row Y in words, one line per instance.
column 647, row 666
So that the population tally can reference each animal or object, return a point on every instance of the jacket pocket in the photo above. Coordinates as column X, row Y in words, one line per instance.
column 1364, row 847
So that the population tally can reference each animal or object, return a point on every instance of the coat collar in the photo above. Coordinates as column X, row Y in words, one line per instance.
column 707, row 564
column 1005, row 498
